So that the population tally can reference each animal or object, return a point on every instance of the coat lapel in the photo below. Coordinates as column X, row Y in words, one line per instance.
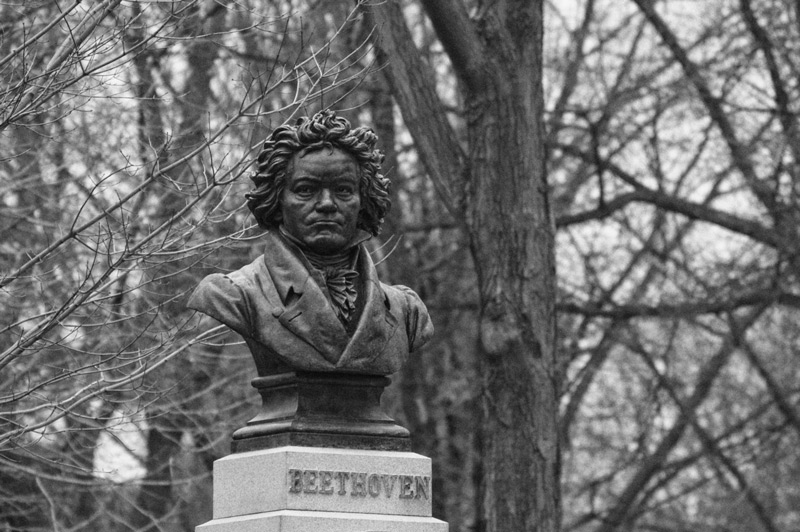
column 307, row 313
column 376, row 325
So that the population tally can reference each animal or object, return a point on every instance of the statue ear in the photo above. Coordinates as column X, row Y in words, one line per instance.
column 361, row 212
column 365, row 222
column 277, row 211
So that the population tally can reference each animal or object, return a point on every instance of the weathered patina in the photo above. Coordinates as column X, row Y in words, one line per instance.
column 311, row 309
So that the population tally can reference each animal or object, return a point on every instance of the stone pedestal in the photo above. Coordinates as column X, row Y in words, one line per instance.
column 293, row 489
column 322, row 455
column 306, row 408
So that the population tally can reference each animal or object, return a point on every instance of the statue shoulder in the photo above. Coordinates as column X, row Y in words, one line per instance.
column 234, row 283
column 211, row 288
column 405, row 304
column 400, row 294
column 228, row 297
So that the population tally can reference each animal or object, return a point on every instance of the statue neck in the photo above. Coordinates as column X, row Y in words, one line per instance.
column 337, row 261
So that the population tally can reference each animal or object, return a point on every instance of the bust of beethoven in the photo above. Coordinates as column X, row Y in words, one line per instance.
column 313, row 301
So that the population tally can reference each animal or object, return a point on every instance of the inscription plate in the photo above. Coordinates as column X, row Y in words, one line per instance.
column 322, row 479
column 341, row 483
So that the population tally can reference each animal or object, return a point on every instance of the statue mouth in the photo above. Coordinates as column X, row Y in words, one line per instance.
column 322, row 224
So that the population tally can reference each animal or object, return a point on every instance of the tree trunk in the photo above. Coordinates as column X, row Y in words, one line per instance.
column 504, row 205
column 512, row 244
column 155, row 500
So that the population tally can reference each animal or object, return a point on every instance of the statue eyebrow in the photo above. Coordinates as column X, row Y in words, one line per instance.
column 338, row 177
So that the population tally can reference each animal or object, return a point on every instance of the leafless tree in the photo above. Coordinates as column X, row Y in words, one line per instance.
column 127, row 133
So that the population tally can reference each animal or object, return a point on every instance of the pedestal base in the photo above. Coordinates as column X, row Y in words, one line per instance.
column 321, row 410
column 305, row 521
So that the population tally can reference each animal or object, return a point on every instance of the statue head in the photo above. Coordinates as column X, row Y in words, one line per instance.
column 323, row 131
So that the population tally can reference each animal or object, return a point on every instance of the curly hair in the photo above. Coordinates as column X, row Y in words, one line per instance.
column 323, row 130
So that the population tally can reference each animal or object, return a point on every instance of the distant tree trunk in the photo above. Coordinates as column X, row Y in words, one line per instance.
column 158, row 499
column 155, row 500
column 499, row 188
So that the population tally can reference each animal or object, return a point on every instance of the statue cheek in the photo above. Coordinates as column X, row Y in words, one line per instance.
column 354, row 207
column 292, row 209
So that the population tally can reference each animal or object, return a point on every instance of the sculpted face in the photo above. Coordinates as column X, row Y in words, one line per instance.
column 321, row 201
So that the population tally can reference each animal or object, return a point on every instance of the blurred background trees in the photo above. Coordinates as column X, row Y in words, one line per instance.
column 671, row 130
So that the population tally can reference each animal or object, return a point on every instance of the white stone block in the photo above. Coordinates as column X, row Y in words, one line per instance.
column 305, row 521
column 323, row 480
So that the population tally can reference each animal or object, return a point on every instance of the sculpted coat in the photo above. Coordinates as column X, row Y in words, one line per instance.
column 276, row 305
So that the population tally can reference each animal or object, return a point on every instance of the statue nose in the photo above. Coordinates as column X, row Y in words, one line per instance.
column 325, row 201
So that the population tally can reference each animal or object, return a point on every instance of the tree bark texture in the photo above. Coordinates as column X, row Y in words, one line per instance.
column 503, row 200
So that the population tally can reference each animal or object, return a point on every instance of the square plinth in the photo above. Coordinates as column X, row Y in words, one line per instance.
column 303, row 521
column 320, row 479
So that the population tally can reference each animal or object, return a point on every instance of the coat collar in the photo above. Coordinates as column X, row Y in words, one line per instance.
column 377, row 324
column 287, row 266
column 308, row 314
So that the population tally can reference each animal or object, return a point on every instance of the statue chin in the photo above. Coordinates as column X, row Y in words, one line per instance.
column 327, row 244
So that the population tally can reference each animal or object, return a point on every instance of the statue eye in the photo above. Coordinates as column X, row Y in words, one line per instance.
column 345, row 190
column 303, row 190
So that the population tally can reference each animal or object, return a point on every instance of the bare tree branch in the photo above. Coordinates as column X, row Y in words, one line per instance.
column 759, row 297
column 457, row 34
column 616, row 515
column 414, row 89
column 739, row 152
column 695, row 211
